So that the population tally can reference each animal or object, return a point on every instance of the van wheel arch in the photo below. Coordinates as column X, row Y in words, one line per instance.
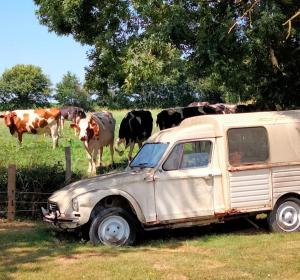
column 110, row 202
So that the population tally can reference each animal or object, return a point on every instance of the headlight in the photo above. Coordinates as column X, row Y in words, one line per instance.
column 75, row 204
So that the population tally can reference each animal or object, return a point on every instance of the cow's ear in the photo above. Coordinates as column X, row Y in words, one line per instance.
column 94, row 126
column 74, row 125
column 96, row 130
column 2, row 116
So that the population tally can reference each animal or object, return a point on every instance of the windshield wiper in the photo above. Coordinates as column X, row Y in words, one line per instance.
column 141, row 165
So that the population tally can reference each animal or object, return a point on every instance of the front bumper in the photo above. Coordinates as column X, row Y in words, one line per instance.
column 61, row 220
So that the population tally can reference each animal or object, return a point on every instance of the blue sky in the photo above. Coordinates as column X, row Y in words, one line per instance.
column 24, row 41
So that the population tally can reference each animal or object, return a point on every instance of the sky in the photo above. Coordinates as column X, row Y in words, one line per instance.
column 23, row 40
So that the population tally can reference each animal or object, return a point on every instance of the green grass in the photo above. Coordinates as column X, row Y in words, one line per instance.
column 34, row 251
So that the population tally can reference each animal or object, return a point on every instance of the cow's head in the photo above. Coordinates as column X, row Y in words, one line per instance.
column 87, row 129
column 9, row 120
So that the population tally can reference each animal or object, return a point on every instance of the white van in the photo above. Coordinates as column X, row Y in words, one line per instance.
column 208, row 169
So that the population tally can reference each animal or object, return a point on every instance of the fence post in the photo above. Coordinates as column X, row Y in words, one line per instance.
column 11, row 192
column 68, row 164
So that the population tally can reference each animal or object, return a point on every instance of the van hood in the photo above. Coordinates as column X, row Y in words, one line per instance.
column 116, row 180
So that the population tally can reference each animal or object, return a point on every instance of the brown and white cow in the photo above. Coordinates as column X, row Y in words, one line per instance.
column 35, row 121
column 96, row 131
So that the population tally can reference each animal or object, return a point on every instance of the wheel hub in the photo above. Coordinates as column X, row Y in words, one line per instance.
column 114, row 230
column 288, row 216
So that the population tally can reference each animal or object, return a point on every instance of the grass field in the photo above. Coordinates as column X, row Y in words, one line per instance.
column 33, row 251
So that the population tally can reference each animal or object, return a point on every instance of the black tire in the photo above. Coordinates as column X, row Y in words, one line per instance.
column 285, row 217
column 114, row 227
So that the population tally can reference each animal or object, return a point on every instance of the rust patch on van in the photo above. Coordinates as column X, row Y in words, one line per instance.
column 226, row 213
column 261, row 166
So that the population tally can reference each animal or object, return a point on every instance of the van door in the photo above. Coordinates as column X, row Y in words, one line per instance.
column 249, row 175
column 184, row 184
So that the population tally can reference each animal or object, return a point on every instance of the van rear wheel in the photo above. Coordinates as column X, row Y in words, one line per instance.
column 285, row 217
column 114, row 227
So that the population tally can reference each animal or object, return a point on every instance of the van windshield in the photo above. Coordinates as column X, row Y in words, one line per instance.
column 149, row 155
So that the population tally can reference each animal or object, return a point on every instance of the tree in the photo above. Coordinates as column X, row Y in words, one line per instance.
column 257, row 60
column 69, row 92
column 24, row 86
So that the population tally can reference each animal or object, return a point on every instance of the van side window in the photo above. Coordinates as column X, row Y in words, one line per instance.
column 247, row 145
column 189, row 155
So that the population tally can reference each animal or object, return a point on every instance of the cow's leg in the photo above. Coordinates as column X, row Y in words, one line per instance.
column 61, row 127
column 111, row 146
column 94, row 160
column 19, row 136
column 140, row 143
column 76, row 120
column 99, row 162
column 131, row 144
column 90, row 159
column 54, row 135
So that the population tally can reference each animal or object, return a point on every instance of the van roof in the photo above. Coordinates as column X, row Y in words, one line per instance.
column 208, row 126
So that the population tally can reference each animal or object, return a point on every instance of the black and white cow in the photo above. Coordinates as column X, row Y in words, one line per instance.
column 135, row 127
column 172, row 117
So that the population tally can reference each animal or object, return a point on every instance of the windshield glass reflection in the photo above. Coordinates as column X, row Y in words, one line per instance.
column 149, row 155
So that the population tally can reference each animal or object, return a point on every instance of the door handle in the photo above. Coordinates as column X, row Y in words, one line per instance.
column 208, row 177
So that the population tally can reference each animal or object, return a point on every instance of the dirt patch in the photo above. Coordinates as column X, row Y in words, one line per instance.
column 176, row 277
column 15, row 226
column 182, row 249
column 71, row 259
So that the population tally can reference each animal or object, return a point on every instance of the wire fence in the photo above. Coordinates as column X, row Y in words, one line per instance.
column 27, row 204
column 30, row 208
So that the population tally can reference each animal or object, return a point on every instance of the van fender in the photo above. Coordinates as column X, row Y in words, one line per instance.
column 89, row 200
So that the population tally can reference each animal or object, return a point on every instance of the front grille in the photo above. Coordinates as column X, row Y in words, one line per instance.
column 52, row 206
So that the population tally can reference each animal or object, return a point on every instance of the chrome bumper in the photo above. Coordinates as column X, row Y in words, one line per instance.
column 59, row 220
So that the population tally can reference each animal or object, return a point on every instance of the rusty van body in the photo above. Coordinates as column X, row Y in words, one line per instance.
column 204, row 171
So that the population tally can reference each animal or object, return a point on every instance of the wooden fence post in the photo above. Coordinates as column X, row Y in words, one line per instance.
column 11, row 192
column 68, row 164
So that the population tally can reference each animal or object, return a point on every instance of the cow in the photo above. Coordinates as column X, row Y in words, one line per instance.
column 35, row 121
column 96, row 131
column 168, row 118
column 172, row 117
column 71, row 113
column 135, row 127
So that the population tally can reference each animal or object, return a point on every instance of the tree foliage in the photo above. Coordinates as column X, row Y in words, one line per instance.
column 155, row 47
column 69, row 92
column 24, row 86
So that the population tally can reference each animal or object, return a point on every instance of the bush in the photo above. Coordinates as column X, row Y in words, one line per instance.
column 33, row 186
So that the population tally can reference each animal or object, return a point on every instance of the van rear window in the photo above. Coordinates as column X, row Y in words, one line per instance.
column 247, row 145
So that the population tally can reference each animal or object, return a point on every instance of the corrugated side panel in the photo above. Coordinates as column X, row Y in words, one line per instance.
column 250, row 189
column 285, row 179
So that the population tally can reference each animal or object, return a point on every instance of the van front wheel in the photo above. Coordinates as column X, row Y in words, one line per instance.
column 113, row 226
column 285, row 217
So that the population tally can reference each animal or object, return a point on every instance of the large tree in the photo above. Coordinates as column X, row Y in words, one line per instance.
column 238, row 49
column 24, row 86
column 69, row 92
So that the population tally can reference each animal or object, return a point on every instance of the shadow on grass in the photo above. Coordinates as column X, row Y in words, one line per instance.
column 39, row 243
column 173, row 238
